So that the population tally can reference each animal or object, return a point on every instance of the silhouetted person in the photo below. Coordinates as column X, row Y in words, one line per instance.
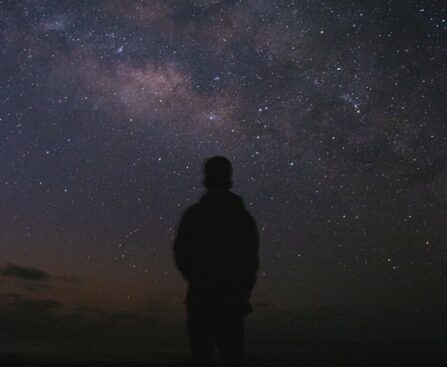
column 216, row 250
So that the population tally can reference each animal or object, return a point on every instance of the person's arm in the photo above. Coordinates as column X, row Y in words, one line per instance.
column 251, row 254
column 183, row 245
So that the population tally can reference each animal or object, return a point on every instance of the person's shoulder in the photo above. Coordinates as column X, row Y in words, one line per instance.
column 241, row 208
column 235, row 200
column 192, row 210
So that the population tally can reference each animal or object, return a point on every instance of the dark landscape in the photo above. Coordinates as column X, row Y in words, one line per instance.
column 316, row 355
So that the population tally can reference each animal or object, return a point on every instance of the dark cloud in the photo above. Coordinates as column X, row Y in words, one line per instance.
column 24, row 273
column 22, row 305
column 35, row 280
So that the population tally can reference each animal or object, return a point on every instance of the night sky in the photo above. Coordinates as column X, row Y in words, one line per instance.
column 333, row 114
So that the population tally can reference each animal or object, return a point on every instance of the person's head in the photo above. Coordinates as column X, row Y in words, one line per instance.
column 218, row 173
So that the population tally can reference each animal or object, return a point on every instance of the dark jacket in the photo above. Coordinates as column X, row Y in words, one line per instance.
column 216, row 250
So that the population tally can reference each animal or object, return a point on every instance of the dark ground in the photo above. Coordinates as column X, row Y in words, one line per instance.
column 383, row 355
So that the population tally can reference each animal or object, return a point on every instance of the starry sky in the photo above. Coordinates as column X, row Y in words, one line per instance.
column 332, row 113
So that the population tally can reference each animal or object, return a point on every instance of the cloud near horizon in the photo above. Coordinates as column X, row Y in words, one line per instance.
column 24, row 273
column 33, row 279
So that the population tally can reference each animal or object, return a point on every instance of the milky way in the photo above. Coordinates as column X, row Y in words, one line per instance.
column 332, row 113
